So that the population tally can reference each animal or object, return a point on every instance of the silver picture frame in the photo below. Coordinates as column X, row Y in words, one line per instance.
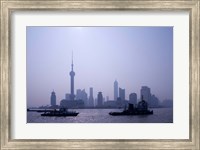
column 8, row 7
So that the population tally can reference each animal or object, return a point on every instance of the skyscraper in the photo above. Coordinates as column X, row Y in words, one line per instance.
column 78, row 94
column 72, row 74
column 91, row 99
column 146, row 93
column 53, row 98
column 122, row 93
column 133, row 98
column 67, row 96
column 115, row 90
column 99, row 99
column 82, row 95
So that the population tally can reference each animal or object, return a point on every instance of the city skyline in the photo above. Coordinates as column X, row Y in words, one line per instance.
column 98, row 67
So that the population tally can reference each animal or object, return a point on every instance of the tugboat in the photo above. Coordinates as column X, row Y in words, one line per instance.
column 141, row 109
column 62, row 112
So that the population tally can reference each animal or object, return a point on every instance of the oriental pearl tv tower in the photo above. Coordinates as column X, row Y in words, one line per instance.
column 72, row 74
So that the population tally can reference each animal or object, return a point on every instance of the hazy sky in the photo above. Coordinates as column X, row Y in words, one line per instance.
column 134, row 56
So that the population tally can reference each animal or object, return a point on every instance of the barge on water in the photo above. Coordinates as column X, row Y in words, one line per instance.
column 62, row 112
column 141, row 109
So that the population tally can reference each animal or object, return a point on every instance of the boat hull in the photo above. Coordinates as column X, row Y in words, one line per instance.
column 60, row 115
column 131, row 113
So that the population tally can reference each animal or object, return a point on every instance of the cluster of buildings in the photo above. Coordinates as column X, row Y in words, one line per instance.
column 120, row 101
column 82, row 100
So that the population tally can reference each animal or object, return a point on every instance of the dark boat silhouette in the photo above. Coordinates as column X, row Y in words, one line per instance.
column 141, row 109
column 62, row 112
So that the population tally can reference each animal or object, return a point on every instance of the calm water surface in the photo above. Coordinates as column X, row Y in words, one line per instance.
column 161, row 115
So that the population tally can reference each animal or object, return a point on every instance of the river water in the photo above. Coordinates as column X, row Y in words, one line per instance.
column 160, row 115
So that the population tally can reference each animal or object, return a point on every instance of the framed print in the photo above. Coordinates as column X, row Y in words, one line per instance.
column 100, row 75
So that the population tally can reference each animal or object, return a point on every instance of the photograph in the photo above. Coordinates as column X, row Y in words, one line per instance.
column 99, row 74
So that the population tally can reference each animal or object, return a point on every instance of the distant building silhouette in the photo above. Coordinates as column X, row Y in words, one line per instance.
column 72, row 103
column 122, row 94
column 146, row 93
column 119, row 99
column 69, row 101
column 67, row 96
column 100, row 99
column 72, row 74
column 91, row 99
column 115, row 90
column 78, row 94
column 133, row 98
column 121, row 103
column 82, row 95
column 111, row 104
column 142, row 105
column 154, row 101
column 53, row 98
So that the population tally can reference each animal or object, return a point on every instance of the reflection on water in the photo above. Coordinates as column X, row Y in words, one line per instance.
column 161, row 115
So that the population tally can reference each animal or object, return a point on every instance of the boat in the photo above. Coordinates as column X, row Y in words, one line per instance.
column 127, row 113
column 62, row 112
column 141, row 109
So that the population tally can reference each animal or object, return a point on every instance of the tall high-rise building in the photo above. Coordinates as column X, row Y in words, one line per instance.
column 115, row 90
column 99, row 99
column 67, row 96
column 82, row 95
column 91, row 99
column 72, row 74
column 53, row 98
column 146, row 93
column 133, row 98
column 78, row 94
column 122, row 93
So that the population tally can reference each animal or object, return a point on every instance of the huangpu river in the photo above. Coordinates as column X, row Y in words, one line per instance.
column 160, row 115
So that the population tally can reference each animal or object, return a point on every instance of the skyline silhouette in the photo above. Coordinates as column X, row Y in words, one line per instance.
column 134, row 56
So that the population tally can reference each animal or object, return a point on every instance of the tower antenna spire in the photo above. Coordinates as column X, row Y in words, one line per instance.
column 72, row 74
column 72, row 61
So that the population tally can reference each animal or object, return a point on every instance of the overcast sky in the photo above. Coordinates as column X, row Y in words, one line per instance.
column 134, row 56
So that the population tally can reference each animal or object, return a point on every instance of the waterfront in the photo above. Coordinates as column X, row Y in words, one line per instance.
column 161, row 115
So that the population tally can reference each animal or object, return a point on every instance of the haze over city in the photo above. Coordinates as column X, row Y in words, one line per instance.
column 134, row 56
